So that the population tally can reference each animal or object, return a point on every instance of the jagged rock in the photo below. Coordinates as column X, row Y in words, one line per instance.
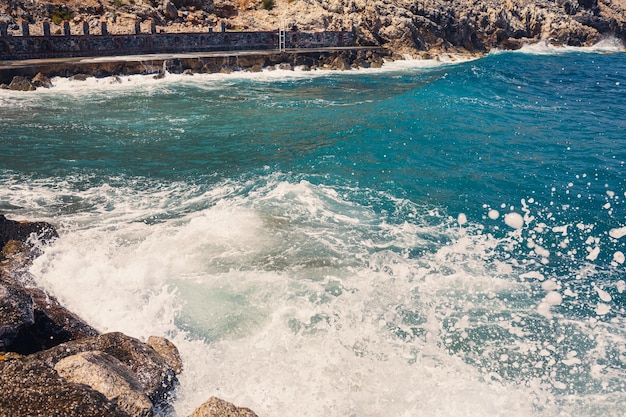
column 24, row 231
column 169, row 10
column 79, row 77
column 340, row 63
column 173, row 66
column 168, row 351
column 216, row 407
column 32, row 388
column 109, row 376
column 20, row 83
column 16, row 313
column 156, row 377
column 52, row 324
column 41, row 80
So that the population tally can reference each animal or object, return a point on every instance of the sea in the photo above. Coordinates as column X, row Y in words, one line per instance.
column 432, row 238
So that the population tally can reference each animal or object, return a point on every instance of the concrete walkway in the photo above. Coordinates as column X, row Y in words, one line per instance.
column 26, row 63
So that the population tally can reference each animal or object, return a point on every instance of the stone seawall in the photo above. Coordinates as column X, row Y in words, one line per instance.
column 195, row 62
column 89, row 45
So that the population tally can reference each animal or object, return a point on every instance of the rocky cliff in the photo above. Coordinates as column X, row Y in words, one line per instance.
column 403, row 26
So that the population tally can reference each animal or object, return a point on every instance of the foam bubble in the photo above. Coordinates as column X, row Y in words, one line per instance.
column 618, row 233
column 514, row 220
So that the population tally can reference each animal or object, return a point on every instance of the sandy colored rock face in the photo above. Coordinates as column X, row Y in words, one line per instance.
column 168, row 351
column 404, row 26
column 216, row 407
column 108, row 376
column 53, row 395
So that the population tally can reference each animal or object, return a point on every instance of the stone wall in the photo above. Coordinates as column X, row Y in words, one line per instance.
column 105, row 44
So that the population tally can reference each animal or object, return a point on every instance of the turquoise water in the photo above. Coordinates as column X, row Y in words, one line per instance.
column 430, row 239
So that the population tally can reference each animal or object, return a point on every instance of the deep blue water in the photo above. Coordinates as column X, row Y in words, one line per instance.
column 441, row 240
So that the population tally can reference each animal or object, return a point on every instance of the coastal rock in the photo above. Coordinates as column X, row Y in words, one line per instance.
column 31, row 388
column 156, row 377
column 169, row 10
column 79, row 77
column 215, row 407
column 20, row 83
column 51, row 323
column 16, row 313
column 403, row 26
column 168, row 351
column 109, row 376
column 25, row 231
column 41, row 80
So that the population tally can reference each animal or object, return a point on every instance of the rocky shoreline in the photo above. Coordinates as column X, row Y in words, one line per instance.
column 402, row 26
column 53, row 363
column 39, row 74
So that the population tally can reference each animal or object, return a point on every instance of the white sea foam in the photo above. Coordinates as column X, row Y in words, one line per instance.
column 291, row 299
column 544, row 47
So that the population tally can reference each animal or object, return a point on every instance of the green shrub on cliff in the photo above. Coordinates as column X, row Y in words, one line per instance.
column 60, row 14
column 267, row 4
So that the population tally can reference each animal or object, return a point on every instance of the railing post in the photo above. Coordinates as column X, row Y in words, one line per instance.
column 46, row 28
column 85, row 28
column 282, row 35
column 25, row 28
column 137, row 27
column 4, row 28
column 103, row 28
column 153, row 27
column 66, row 28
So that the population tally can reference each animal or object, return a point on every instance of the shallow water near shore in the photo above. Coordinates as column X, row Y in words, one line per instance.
column 427, row 240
